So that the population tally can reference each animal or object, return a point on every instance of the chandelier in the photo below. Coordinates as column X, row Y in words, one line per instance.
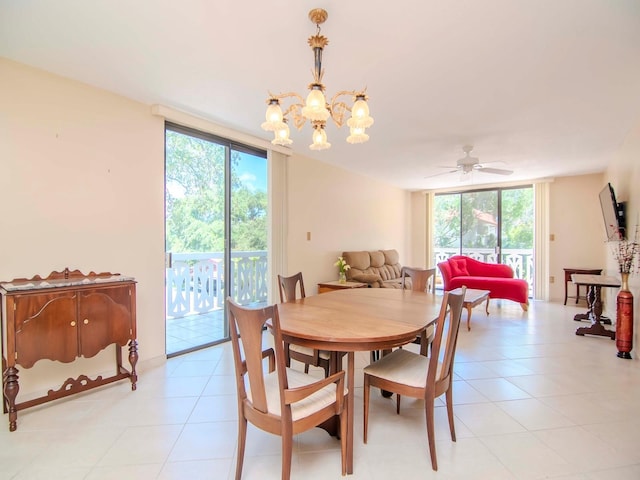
column 315, row 108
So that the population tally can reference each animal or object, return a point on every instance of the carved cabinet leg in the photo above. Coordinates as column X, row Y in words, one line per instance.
column 10, row 388
column 133, row 360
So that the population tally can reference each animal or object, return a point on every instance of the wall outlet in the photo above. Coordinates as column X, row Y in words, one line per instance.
column 552, row 279
column 308, row 236
column 552, row 237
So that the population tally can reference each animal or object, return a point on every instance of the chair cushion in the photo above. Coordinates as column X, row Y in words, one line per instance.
column 305, row 407
column 308, row 351
column 402, row 366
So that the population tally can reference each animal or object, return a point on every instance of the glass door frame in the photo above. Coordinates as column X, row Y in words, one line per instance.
column 229, row 148
column 523, row 268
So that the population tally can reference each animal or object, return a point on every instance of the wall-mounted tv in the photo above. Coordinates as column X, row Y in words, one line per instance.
column 613, row 214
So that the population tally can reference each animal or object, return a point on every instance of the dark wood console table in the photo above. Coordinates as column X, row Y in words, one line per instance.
column 62, row 317
column 567, row 279
column 594, row 284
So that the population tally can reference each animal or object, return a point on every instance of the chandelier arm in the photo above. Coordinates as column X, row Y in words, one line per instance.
column 281, row 96
column 334, row 99
column 338, row 110
column 296, row 113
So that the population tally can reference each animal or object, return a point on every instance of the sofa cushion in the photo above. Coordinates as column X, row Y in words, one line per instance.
column 367, row 277
column 514, row 289
column 357, row 260
column 391, row 257
column 458, row 267
column 377, row 259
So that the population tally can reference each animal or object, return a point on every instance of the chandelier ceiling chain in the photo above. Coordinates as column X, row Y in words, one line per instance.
column 315, row 108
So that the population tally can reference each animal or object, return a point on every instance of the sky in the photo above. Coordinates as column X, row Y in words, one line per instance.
column 253, row 171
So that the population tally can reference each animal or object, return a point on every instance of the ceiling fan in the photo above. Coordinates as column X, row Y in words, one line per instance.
column 469, row 164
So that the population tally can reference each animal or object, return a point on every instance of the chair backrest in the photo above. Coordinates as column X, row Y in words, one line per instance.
column 443, row 348
column 246, row 327
column 288, row 285
column 422, row 279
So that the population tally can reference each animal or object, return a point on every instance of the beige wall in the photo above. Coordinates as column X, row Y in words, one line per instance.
column 82, row 186
column 624, row 175
column 575, row 222
column 341, row 211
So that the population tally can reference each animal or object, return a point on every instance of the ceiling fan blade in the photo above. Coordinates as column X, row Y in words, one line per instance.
column 442, row 173
column 497, row 171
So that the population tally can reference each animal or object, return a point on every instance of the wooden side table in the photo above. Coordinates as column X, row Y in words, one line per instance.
column 473, row 298
column 581, row 271
column 594, row 283
column 325, row 287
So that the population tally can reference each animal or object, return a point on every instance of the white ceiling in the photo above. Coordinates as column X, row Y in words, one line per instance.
column 542, row 87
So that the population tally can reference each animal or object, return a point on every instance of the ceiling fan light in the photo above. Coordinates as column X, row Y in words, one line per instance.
column 273, row 116
column 316, row 106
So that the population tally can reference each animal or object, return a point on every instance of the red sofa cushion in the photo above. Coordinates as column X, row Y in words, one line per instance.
column 514, row 289
column 458, row 267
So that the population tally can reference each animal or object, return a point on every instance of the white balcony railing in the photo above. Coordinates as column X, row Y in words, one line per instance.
column 521, row 260
column 195, row 281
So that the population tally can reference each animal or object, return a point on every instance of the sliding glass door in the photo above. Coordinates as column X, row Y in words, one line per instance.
column 492, row 225
column 215, row 234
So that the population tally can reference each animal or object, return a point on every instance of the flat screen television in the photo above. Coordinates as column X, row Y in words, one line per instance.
column 613, row 214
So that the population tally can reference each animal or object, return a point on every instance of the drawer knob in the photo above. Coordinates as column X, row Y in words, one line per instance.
column 86, row 321
column 73, row 323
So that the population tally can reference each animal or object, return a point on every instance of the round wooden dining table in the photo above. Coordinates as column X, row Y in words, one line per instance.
column 359, row 319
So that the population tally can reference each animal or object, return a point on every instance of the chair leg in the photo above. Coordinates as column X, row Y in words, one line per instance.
column 429, row 406
column 366, row 406
column 287, row 355
column 306, row 368
column 242, row 437
column 343, row 438
column 452, row 428
column 398, row 403
column 287, row 448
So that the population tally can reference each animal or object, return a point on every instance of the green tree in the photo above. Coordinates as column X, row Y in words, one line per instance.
column 195, row 200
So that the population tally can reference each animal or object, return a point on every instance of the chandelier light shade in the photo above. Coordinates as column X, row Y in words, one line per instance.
column 282, row 135
column 319, row 137
column 273, row 117
column 315, row 108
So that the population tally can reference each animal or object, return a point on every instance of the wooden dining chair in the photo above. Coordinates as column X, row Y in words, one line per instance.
column 280, row 401
column 289, row 288
column 422, row 280
column 407, row 373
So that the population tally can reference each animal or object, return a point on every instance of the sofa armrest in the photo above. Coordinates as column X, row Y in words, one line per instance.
column 371, row 278
column 445, row 270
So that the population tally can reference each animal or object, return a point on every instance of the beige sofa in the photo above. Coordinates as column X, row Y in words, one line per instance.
column 379, row 268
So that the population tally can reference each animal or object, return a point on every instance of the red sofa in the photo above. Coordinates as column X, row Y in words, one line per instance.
column 460, row 270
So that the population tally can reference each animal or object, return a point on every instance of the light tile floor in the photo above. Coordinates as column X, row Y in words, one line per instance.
column 533, row 400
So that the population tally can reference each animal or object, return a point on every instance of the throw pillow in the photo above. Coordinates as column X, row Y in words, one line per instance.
column 458, row 267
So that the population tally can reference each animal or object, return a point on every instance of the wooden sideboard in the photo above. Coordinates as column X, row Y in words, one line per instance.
column 62, row 317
